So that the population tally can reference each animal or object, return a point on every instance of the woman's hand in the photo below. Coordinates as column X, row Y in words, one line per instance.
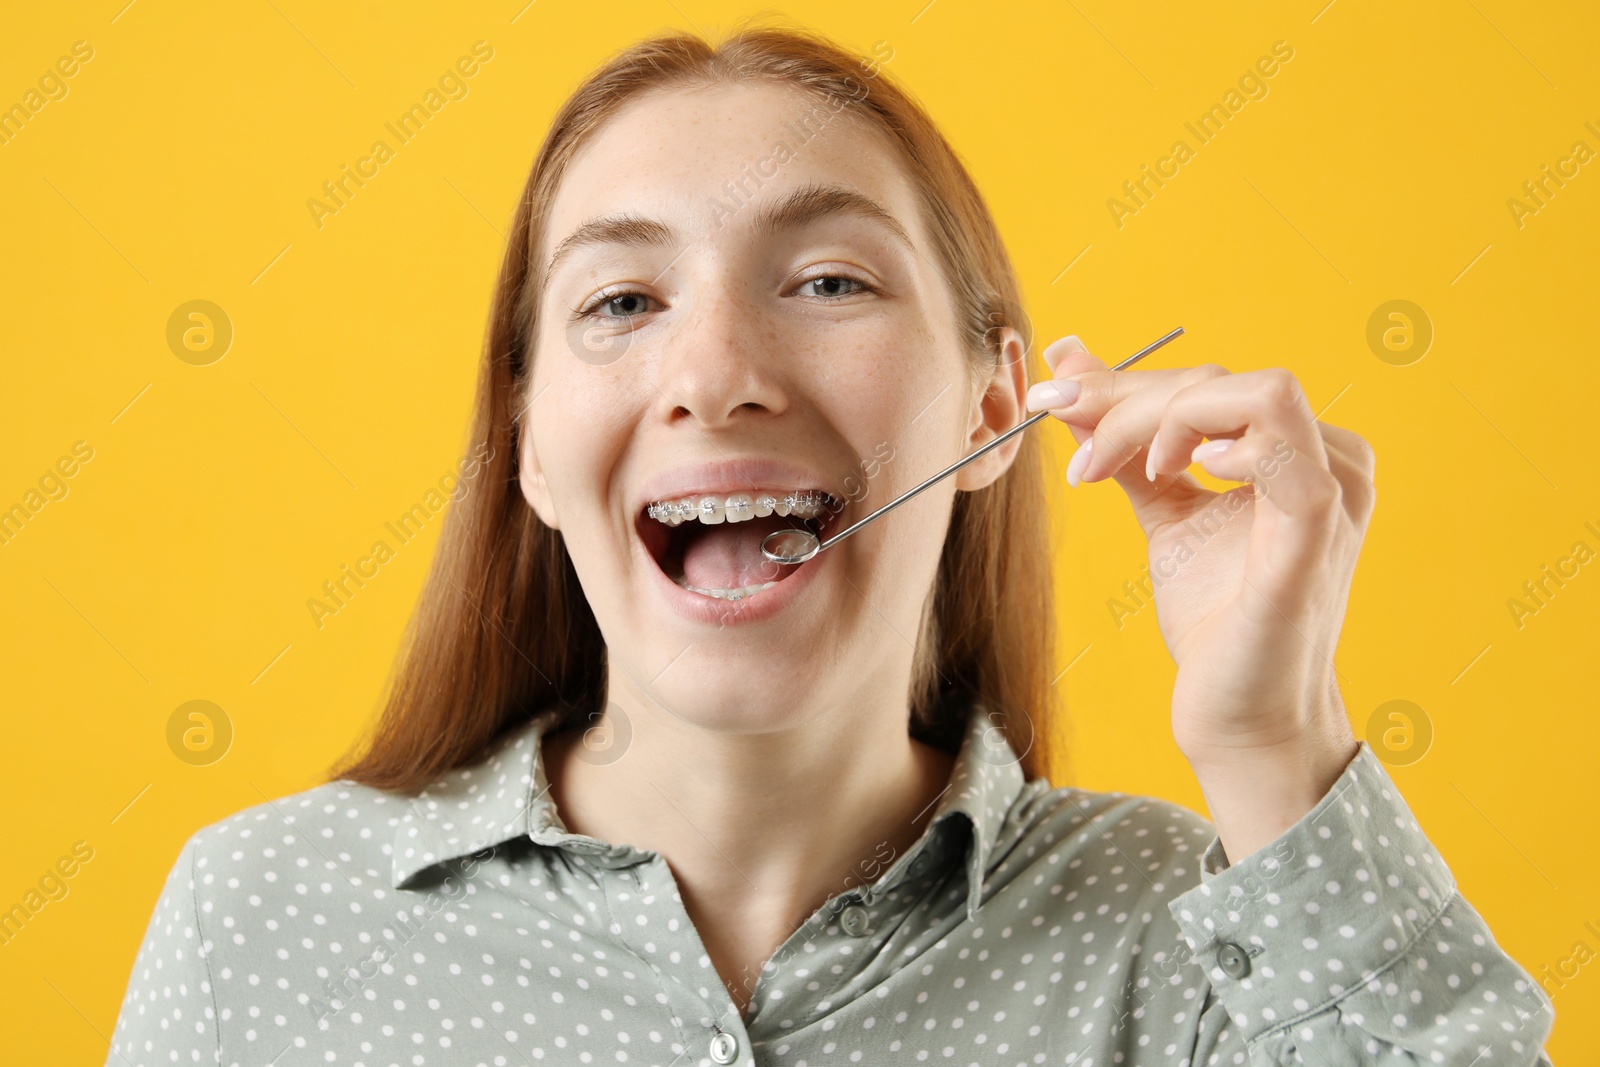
column 1250, row 584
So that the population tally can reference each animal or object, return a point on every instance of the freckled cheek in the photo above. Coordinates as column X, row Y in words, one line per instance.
column 580, row 431
column 882, row 379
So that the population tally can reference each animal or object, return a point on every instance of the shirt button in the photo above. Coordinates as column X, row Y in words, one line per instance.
column 1233, row 960
column 854, row 919
column 724, row 1047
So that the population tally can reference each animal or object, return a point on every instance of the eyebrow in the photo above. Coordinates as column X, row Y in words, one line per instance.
column 799, row 208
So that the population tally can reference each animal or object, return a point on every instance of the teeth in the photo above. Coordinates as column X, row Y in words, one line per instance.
column 739, row 507
column 726, row 594
column 712, row 510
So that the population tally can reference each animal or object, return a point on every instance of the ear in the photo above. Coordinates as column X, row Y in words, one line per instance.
column 531, row 477
column 1001, row 405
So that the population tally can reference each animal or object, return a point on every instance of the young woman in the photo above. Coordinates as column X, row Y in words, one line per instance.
column 640, row 796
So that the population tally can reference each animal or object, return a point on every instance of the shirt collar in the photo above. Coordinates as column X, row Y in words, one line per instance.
column 506, row 796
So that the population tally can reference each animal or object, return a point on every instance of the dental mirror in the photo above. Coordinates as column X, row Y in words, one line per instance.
column 794, row 546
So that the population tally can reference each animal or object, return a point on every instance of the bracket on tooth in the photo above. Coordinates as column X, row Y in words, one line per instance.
column 803, row 504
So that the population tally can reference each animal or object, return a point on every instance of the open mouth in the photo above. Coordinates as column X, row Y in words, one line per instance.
column 710, row 543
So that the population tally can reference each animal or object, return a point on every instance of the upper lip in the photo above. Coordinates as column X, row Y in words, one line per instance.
column 730, row 476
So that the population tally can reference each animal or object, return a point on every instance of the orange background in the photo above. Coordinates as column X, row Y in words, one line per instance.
column 218, row 498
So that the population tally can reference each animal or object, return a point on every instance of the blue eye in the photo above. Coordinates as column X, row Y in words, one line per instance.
column 628, row 303
column 833, row 285
column 617, row 305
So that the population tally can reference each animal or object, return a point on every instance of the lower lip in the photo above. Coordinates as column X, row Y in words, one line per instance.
column 697, row 607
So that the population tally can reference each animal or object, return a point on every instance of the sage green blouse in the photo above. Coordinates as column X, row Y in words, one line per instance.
column 1027, row 925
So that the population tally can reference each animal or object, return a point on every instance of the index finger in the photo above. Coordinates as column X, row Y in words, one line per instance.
column 1084, row 389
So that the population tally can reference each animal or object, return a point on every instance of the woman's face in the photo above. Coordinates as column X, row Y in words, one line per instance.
column 744, row 302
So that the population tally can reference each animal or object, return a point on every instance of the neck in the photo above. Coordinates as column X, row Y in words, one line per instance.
column 759, row 827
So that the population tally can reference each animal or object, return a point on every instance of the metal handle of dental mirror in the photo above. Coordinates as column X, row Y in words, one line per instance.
column 795, row 546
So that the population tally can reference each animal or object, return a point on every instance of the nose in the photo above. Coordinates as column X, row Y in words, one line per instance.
column 720, row 364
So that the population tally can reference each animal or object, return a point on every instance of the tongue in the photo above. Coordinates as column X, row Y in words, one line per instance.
column 728, row 555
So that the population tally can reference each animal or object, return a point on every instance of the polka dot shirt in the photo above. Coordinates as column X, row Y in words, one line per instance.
column 1028, row 925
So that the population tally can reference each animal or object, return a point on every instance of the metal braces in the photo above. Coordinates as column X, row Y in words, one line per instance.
column 804, row 504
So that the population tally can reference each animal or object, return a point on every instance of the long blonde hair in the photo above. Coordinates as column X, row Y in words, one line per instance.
column 502, row 629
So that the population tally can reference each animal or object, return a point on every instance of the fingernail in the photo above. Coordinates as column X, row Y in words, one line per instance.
column 1058, row 349
column 1053, row 394
column 1210, row 448
column 1079, row 461
column 1150, row 458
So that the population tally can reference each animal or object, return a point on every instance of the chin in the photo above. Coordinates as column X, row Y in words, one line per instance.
column 727, row 692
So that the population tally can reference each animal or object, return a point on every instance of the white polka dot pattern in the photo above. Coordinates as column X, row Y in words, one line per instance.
column 1028, row 925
